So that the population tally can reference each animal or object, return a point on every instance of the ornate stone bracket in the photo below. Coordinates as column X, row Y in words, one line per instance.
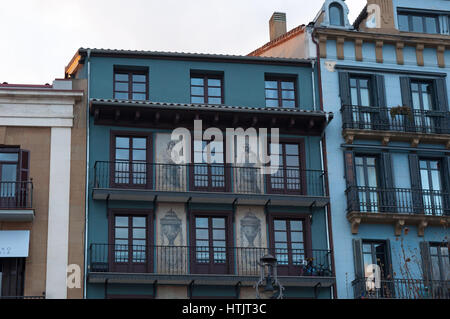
column 379, row 51
column 415, row 142
column 399, row 226
column 399, row 51
column 385, row 140
column 340, row 48
column 421, row 227
column 355, row 225
column 419, row 54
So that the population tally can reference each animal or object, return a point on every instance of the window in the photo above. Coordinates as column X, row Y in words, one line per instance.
column 289, row 242
column 207, row 89
column 209, row 174
column 130, row 160
column 430, row 175
column 288, row 178
column 14, row 178
column 210, row 240
column 375, row 253
column 417, row 22
column 440, row 261
column 336, row 14
column 360, row 91
column 280, row 92
column 367, row 183
column 12, row 277
column 131, row 85
column 422, row 95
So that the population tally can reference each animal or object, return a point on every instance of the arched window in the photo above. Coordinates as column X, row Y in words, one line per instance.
column 336, row 14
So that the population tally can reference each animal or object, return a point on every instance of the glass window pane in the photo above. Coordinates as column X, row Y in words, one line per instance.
column 120, row 86
column 292, row 161
column 219, row 234
column 279, row 224
column 196, row 90
column 271, row 94
column 297, row 237
column 291, row 149
column 121, row 232
column 121, row 221
column 121, row 77
column 431, row 24
column 218, row 222
column 139, row 142
column 214, row 92
column 197, row 81
column 271, row 85
column 271, row 103
column 403, row 22
column 139, row 87
column 214, row 100
column 201, row 234
column 354, row 96
column 139, row 97
column 9, row 174
column 336, row 15
column 214, row 82
column 280, row 236
column 287, row 85
column 288, row 104
column 296, row 225
column 201, row 222
column 417, row 24
column 139, row 233
column 139, row 221
column 122, row 154
column 288, row 95
column 121, row 96
column 202, row 243
column 9, row 157
column 122, row 142
column 196, row 99
column 139, row 155
column 365, row 99
column 139, row 78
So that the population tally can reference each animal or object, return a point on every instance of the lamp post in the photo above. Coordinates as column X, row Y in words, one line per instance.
column 268, row 286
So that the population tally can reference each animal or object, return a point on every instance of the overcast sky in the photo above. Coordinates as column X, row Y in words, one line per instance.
column 39, row 37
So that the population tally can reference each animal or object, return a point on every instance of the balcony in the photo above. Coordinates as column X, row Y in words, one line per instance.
column 398, row 206
column 402, row 289
column 414, row 126
column 205, row 265
column 16, row 201
column 205, row 183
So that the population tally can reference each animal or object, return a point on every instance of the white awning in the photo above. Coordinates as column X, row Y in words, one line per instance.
column 14, row 243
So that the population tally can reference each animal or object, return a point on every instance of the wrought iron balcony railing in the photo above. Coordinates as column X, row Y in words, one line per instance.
column 209, row 177
column 401, row 289
column 16, row 195
column 380, row 119
column 398, row 200
column 204, row 260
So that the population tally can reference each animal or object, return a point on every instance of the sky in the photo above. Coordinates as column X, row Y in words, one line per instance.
column 39, row 37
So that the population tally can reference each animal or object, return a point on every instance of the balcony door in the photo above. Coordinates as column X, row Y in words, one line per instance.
column 288, row 179
column 289, row 245
column 367, row 183
column 129, row 168
column 361, row 99
column 209, row 168
column 209, row 253
column 423, row 104
column 8, row 179
column 130, row 251
column 431, row 181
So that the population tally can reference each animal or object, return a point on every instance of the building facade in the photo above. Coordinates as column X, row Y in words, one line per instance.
column 158, row 228
column 42, row 165
column 386, row 77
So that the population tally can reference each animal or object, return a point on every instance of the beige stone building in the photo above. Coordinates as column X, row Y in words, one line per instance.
column 42, row 189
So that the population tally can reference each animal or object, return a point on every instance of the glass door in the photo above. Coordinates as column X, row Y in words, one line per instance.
column 367, row 183
column 209, row 167
column 130, row 167
column 288, row 178
column 8, row 179
column 423, row 105
column 430, row 175
column 361, row 100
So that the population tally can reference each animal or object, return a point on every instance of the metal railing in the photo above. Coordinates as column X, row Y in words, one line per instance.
column 401, row 289
column 380, row 118
column 398, row 200
column 185, row 260
column 208, row 177
column 16, row 194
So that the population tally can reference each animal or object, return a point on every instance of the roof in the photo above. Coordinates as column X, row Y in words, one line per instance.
column 212, row 107
column 83, row 52
column 282, row 38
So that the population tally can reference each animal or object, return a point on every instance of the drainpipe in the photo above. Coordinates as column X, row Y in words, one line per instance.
column 323, row 154
column 313, row 78
column 87, row 175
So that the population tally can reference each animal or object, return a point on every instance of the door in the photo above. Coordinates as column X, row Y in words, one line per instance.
column 440, row 270
column 367, row 183
column 8, row 179
column 423, row 105
column 130, row 165
column 209, row 253
column 130, row 251
column 430, row 177
column 288, row 179
column 364, row 115
column 289, row 246
column 209, row 168
column 376, row 253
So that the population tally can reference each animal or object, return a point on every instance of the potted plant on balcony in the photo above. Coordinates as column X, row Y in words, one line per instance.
column 401, row 110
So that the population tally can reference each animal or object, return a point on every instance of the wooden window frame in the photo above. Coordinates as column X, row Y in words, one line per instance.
column 149, row 214
column 302, row 169
column 229, row 239
column 423, row 16
column 149, row 160
column 279, row 80
column 205, row 77
column 130, row 72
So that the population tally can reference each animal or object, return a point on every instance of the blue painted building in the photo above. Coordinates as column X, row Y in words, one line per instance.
column 160, row 228
column 386, row 78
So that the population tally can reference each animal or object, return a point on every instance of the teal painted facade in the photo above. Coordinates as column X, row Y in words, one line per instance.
column 169, row 82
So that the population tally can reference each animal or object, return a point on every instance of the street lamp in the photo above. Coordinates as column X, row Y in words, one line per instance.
column 268, row 286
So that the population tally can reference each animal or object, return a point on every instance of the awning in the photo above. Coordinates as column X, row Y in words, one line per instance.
column 14, row 243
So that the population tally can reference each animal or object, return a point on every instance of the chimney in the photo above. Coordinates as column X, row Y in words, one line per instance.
column 277, row 25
